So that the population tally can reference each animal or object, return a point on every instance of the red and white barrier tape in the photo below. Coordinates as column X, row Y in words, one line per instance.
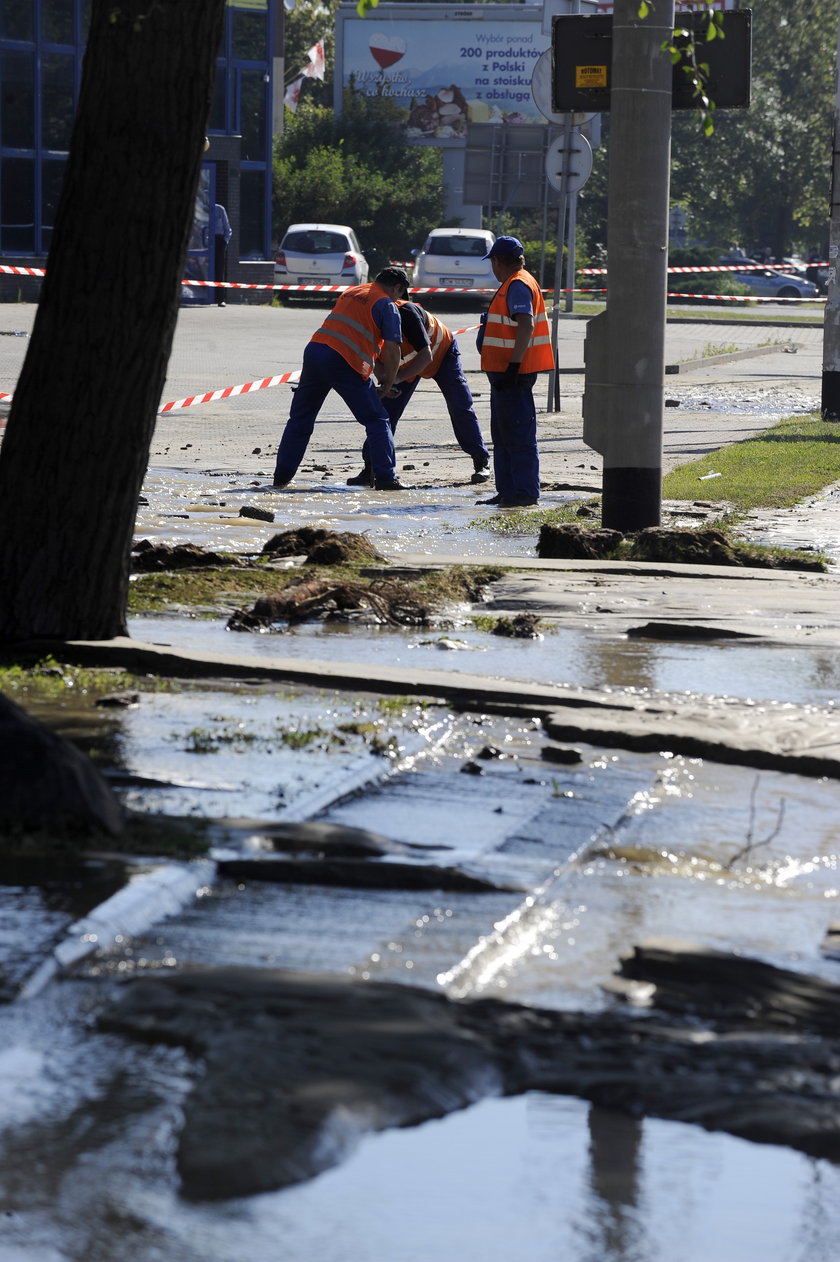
column 436, row 289
column 232, row 284
column 22, row 271
column 722, row 267
column 711, row 297
column 229, row 392
column 740, row 298
column 232, row 392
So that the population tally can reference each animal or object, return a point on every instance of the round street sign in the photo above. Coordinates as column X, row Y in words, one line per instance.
column 541, row 92
column 577, row 162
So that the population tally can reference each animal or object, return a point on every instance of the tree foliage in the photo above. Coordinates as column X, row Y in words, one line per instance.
column 357, row 169
column 763, row 177
column 307, row 23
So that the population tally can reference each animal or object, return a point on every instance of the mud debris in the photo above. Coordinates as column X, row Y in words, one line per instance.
column 322, row 1064
column 522, row 626
column 683, row 545
column 322, row 547
column 149, row 558
column 311, row 599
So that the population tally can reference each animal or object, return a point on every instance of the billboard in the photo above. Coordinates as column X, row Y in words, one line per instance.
column 444, row 67
column 606, row 6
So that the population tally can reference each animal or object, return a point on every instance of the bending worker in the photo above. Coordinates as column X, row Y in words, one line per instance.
column 362, row 327
column 430, row 350
column 515, row 345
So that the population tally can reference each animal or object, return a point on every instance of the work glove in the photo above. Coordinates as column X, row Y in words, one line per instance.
column 509, row 379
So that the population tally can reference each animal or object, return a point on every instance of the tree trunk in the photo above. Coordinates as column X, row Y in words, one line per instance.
column 77, row 441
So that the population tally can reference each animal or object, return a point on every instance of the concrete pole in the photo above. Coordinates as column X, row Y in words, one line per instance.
column 623, row 403
column 831, row 319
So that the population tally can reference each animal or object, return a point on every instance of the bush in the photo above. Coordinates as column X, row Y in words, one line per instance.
column 358, row 170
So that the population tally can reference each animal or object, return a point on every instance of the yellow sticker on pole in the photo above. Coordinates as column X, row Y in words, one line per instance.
column 590, row 76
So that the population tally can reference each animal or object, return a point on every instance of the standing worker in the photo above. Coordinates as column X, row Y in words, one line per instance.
column 429, row 350
column 362, row 327
column 222, row 233
column 515, row 345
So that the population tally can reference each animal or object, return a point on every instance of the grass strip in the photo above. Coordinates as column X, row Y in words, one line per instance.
column 776, row 468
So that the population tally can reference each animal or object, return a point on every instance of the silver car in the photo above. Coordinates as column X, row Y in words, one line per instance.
column 767, row 282
column 453, row 258
column 320, row 254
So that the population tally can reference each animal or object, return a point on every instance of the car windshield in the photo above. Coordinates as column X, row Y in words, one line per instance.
column 460, row 247
column 315, row 242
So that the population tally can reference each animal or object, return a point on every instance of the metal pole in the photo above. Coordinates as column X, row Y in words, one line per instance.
column 571, row 265
column 553, row 404
column 830, row 406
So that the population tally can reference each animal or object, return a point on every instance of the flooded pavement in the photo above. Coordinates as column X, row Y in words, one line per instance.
column 581, row 852
column 616, row 850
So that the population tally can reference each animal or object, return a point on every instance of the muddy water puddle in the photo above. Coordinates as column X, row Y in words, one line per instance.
column 204, row 509
column 563, row 655
column 538, row 1178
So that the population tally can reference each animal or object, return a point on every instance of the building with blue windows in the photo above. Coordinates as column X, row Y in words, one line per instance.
column 42, row 44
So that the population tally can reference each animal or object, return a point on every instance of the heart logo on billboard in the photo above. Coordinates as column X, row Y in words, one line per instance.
column 387, row 49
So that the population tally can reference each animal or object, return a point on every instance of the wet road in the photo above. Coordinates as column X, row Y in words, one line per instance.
column 587, row 859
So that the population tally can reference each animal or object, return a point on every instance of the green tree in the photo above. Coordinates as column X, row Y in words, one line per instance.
column 762, row 178
column 358, row 169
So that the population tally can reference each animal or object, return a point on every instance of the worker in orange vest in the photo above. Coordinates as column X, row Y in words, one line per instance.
column 362, row 328
column 515, row 345
column 430, row 350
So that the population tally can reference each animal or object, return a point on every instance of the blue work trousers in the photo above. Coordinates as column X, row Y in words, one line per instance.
column 513, row 432
column 324, row 370
column 453, row 385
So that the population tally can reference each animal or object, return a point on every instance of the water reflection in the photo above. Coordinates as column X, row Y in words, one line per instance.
column 615, row 1143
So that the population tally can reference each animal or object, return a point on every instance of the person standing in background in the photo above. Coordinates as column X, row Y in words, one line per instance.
column 515, row 345
column 222, row 233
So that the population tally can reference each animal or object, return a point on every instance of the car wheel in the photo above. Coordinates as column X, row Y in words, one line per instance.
column 788, row 291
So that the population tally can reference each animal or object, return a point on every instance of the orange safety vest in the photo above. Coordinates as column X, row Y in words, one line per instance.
column 500, row 331
column 350, row 328
column 440, row 340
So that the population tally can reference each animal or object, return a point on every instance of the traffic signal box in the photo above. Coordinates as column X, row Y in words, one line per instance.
column 582, row 51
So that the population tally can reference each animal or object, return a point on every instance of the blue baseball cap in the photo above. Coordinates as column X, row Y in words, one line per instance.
column 505, row 247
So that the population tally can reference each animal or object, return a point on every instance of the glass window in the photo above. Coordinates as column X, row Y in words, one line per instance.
column 52, row 177
column 217, row 121
column 17, row 100
column 57, row 100
column 17, row 19
column 252, row 215
column 57, row 21
column 252, row 114
column 249, row 39
column 17, row 206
